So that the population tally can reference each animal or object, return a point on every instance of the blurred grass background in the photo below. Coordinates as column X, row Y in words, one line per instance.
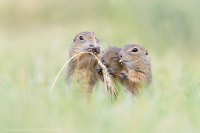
column 34, row 41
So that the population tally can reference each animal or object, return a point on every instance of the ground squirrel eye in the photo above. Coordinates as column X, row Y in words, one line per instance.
column 135, row 50
column 81, row 38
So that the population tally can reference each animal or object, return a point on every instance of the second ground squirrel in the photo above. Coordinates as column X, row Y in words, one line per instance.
column 110, row 59
column 82, row 67
column 136, row 67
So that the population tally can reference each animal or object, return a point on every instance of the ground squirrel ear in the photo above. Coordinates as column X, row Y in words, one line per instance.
column 74, row 39
column 146, row 52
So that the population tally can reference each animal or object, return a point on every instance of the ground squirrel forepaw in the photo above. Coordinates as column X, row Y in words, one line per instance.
column 98, row 69
column 111, row 74
column 123, row 75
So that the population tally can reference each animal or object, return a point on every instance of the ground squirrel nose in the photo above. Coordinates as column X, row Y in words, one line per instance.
column 120, row 55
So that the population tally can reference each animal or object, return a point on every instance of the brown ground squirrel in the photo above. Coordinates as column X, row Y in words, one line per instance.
column 82, row 67
column 110, row 59
column 136, row 67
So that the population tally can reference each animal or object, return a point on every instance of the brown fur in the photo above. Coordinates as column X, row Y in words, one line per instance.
column 136, row 67
column 110, row 59
column 83, row 65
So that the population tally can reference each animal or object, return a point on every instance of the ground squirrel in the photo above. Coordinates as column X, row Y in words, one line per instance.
column 110, row 59
column 82, row 67
column 136, row 67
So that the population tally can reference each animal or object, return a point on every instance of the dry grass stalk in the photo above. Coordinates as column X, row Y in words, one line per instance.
column 108, row 80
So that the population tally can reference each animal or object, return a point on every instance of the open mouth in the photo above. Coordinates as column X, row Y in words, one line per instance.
column 122, row 61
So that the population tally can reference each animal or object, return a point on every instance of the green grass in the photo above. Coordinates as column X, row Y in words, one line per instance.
column 34, row 42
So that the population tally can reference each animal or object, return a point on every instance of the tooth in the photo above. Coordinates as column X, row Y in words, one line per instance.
column 120, row 60
column 121, row 63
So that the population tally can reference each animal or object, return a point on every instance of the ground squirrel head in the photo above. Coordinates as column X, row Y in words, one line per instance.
column 86, row 42
column 133, row 53
column 110, row 59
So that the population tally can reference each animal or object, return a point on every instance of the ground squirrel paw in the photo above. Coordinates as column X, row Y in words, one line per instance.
column 123, row 75
column 111, row 73
column 98, row 69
